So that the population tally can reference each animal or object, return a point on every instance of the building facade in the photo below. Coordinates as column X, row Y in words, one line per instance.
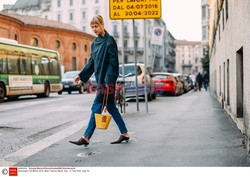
column 205, row 15
column 188, row 57
column 230, row 59
column 72, row 44
column 79, row 13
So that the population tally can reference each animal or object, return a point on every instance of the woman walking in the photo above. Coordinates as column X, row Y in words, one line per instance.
column 104, row 63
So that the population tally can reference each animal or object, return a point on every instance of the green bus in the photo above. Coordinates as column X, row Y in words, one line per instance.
column 27, row 70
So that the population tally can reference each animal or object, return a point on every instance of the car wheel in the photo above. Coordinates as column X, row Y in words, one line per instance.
column 154, row 96
column 2, row 92
column 46, row 91
column 81, row 90
column 69, row 92
column 149, row 96
column 59, row 93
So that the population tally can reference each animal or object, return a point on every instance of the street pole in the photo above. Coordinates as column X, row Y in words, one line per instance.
column 136, row 79
column 123, row 72
column 145, row 64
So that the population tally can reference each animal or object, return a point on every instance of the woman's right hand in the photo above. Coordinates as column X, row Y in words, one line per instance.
column 77, row 79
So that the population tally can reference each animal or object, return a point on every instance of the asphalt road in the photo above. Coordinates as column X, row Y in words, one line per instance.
column 189, row 130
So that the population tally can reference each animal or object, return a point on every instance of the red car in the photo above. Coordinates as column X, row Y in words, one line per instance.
column 165, row 83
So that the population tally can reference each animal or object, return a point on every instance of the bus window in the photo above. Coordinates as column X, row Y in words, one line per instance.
column 53, row 66
column 25, row 66
column 1, row 66
column 44, row 66
column 34, row 65
column 12, row 62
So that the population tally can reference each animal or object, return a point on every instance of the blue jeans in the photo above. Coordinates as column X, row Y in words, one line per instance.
column 112, row 109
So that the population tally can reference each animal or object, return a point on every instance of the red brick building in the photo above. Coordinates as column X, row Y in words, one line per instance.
column 72, row 44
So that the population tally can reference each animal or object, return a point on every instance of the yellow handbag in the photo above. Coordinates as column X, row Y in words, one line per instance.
column 102, row 120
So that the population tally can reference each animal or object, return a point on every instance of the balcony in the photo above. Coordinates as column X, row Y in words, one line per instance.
column 115, row 34
column 172, row 44
column 126, row 35
column 130, row 50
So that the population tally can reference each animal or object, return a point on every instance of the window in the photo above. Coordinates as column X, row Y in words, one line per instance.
column 85, row 48
column 96, row 1
column 57, row 44
column 43, row 65
column 84, row 28
column 126, row 59
column 219, row 31
column 115, row 28
column 3, row 65
column 34, row 42
column 83, row 1
column 71, row 2
column 222, row 18
column 136, row 43
column 73, row 46
column 58, row 3
column 226, row 9
column 83, row 15
column 96, row 12
column 203, row 12
column 25, row 67
column 71, row 16
column 53, row 66
column 59, row 17
column 125, row 43
column 196, row 60
column 15, row 37
column 125, row 29
column 204, row 32
column 13, row 64
column 73, row 63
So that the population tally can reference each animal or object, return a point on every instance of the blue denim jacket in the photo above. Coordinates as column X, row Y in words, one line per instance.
column 105, row 64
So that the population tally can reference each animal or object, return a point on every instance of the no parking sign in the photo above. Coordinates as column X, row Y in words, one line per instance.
column 157, row 35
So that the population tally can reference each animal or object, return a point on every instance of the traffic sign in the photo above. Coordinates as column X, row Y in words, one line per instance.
column 134, row 9
column 157, row 35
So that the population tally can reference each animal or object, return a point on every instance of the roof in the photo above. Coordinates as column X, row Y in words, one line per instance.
column 36, row 21
column 185, row 42
column 20, row 4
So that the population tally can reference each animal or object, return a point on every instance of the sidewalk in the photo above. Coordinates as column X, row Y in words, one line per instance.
column 189, row 130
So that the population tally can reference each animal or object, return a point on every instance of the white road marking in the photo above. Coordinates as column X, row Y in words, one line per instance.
column 12, row 159
column 21, row 105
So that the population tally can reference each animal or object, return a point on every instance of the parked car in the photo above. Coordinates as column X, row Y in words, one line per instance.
column 180, row 83
column 69, row 85
column 91, row 84
column 130, row 81
column 189, row 81
column 165, row 83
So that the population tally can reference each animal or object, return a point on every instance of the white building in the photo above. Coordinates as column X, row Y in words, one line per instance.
column 229, row 45
column 205, row 15
column 79, row 13
column 188, row 57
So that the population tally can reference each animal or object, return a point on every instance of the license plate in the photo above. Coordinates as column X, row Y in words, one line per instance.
column 66, row 86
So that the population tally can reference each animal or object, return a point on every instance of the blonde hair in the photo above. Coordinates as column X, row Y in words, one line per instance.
column 97, row 20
